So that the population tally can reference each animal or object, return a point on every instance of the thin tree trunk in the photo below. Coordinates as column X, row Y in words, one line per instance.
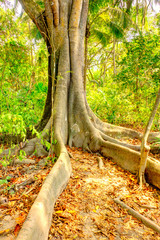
column 85, row 57
column 137, row 11
column 144, row 148
column 52, row 102
column 114, row 56
column 31, row 58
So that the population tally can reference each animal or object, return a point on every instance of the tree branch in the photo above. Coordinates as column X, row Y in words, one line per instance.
column 31, row 8
column 144, row 148
column 36, row 14
column 49, row 18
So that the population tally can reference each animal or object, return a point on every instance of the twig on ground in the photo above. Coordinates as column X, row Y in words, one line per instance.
column 70, row 155
column 30, row 180
column 140, row 217
column 30, row 190
column 146, row 206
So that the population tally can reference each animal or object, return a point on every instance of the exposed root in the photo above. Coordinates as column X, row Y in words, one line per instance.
column 110, row 139
column 155, row 149
column 69, row 108
column 7, row 153
column 124, row 156
column 39, row 149
column 117, row 131
column 30, row 147
column 37, row 224
column 24, row 161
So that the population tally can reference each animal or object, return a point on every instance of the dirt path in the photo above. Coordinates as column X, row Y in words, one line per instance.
column 86, row 210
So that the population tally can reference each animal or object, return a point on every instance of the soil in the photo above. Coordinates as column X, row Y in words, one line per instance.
column 86, row 208
column 19, row 192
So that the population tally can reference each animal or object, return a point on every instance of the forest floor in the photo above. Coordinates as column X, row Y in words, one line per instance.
column 86, row 208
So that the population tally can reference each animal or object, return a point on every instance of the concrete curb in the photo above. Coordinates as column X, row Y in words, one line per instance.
column 38, row 221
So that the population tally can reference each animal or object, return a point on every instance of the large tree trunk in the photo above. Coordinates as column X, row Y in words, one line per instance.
column 63, row 27
column 71, row 121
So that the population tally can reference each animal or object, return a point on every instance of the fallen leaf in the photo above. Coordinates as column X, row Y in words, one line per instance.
column 16, row 230
column 59, row 211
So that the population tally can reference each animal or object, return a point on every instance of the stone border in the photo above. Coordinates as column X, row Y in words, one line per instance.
column 38, row 221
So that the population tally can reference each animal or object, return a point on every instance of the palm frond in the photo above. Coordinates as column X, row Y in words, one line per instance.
column 116, row 30
column 36, row 33
column 101, row 36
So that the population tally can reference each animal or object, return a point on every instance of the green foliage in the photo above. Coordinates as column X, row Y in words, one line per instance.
column 104, row 101
column 116, row 105
column 109, row 19
column 139, row 72
column 12, row 124
column 23, row 70
column 44, row 142
column 128, row 97
column 21, row 155
column 95, row 5
column 107, row 24
column 27, row 104
column 40, row 3
column 14, row 58
column 102, row 36
column 141, row 61
column 2, row 181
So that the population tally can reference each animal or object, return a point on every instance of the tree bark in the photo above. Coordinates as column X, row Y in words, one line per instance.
column 144, row 148
column 63, row 27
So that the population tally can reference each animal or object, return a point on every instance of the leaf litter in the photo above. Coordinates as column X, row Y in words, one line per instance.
column 85, row 209
column 19, row 187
